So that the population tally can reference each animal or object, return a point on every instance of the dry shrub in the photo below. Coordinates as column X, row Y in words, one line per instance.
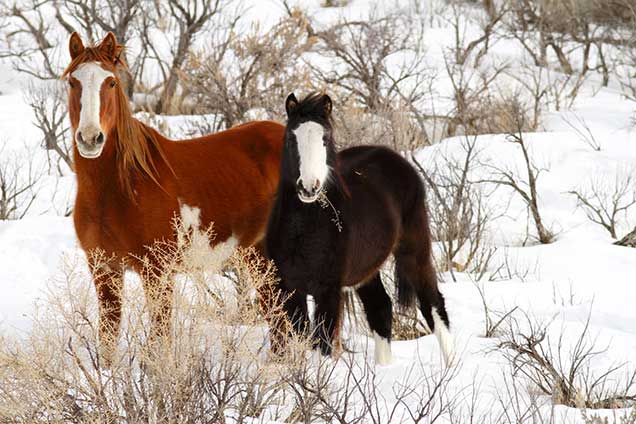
column 524, row 186
column 558, row 14
column 394, row 128
column 334, row 3
column 376, row 60
column 214, row 367
column 488, row 21
column 606, row 199
column 493, row 319
column 48, row 103
column 460, row 213
column 419, row 396
column 20, row 176
column 503, row 114
column 563, row 371
column 408, row 323
column 480, row 107
column 628, row 417
column 238, row 74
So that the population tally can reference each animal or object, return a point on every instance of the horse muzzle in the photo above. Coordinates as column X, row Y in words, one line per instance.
column 90, row 143
column 308, row 195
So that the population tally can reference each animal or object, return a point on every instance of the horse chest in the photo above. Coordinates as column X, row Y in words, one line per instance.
column 306, row 251
column 116, row 226
column 101, row 227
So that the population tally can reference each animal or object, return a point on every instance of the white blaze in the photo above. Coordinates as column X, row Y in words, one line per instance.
column 91, row 76
column 312, row 153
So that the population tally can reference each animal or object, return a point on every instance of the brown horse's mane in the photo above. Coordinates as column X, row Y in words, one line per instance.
column 135, row 140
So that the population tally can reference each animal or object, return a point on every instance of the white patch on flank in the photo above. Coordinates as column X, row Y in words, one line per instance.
column 382, row 350
column 226, row 248
column 198, row 253
column 312, row 153
column 105, row 267
column 91, row 76
column 190, row 217
column 444, row 337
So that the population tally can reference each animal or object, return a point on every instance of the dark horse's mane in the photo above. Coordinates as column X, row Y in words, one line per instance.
column 312, row 103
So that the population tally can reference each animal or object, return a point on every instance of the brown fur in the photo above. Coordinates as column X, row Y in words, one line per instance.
column 128, row 196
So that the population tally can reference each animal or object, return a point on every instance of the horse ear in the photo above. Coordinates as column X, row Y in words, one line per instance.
column 291, row 103
column 109, row 45
column 75, row 45
column 327, row 105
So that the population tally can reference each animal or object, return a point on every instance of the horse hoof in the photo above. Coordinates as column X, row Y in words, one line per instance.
column 451, row 359
column 382, row 350
column 106, row 354
column 337, row 352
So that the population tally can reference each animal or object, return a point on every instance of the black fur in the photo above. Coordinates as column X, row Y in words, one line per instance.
column 381, row 208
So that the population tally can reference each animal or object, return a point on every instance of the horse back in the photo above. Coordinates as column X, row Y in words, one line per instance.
column 382, row 171
column 232, row 177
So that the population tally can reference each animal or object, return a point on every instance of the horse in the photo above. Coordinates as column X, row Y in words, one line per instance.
column 132, row 182
column 337, row 217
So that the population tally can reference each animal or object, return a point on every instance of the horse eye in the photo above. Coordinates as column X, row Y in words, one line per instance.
column 70, row 84
column 112, row 84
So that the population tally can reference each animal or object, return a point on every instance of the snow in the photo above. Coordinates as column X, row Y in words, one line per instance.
column 31, row 251
column 582, row 273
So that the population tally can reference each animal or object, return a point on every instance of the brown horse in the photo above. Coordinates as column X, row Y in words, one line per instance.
column 132, row 181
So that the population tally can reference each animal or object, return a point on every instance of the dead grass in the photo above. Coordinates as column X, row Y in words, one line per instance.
column 565, row 371
column 216, row 366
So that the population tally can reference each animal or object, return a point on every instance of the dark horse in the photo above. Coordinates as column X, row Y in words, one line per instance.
column 336, row 220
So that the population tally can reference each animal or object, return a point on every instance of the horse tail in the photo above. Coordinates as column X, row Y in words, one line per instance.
column 413, row 257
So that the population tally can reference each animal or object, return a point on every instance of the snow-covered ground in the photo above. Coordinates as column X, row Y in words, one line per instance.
column 580, row 274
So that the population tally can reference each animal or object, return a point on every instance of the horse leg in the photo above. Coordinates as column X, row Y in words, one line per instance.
column 433, row 308
column 281, row 308
column 327, row 318
column 296, row 310
column 159, row 299
column 295, row 319
column 379, row 311
column 109, row 281
column 416, row 275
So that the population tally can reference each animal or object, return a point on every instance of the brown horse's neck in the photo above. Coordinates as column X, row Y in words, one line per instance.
column 98, row 178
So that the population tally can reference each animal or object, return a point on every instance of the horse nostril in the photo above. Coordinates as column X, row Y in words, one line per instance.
column 315, row 188
column 100, row 138
column 79, row 137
